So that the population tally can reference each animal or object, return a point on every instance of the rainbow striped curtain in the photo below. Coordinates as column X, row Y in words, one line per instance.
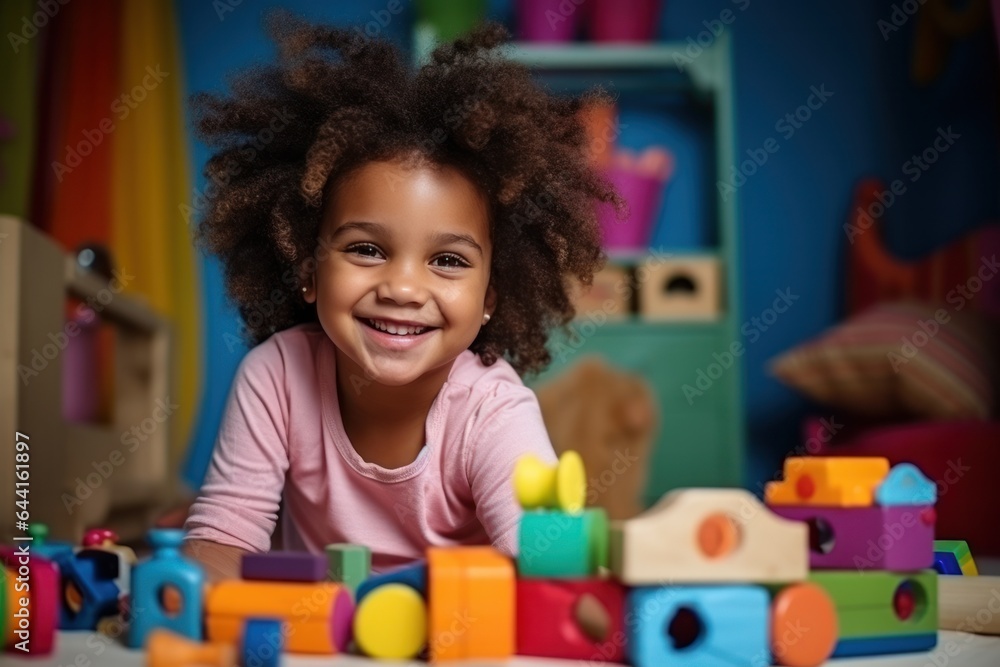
column 111, row 162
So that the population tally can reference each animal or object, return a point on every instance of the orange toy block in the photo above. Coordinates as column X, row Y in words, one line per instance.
column 471, row 603
column 318, row 615
column 831, row 481
column 708, row 536
column 168, row 649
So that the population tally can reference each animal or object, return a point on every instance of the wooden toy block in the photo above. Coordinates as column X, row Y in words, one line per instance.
column 906, row 485
column 830, row 481
column 715, row 535
column 262, row 643
column 967, row 604
column 283, row 566
column 899, row 538
column 803, row 625
column 541, row 486
column 879, row 611
column 348, row 564
column 391, row 623
column 166, row 570
column 318, row 615
column 573, row 620
column 609, row 294
column 954, row 555
column 89, row 588
column 691, row 626
column 42, row 598
column 471, row 603
column 557, row 545
column 681, row 288
column 413, row 575
column 169, row 649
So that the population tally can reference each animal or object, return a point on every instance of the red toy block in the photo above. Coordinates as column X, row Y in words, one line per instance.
column 574, row 620
column 283, row 566
column 44, row 599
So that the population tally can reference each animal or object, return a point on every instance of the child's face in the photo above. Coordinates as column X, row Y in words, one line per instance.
column 404, row 247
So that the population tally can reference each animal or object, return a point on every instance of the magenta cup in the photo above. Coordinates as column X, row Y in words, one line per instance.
column 550, row 21
column 624, row 20
column 643, row 193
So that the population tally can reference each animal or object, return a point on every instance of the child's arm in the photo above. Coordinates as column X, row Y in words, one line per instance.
column 220, row 561
column 238, row 503
column 508, row 424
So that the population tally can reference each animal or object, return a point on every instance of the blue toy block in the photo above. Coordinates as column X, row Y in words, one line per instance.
column 945, row 562
column 262, row 643
column 413, row 575
column 698, row 626
column 89, row 592
column 852, row 647
column 42, row 546
column 906, row 485
column 166, row 568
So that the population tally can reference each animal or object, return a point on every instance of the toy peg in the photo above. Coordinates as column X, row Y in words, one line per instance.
column 391, row 623
column 99, row 537
column 262, row 643
column 348, row 564
column 541, row 486
column 283, row 566
column 168, row 649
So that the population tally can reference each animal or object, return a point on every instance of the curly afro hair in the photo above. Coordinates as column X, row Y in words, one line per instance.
column 352, row 100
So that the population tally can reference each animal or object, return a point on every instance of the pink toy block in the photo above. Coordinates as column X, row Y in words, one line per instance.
column 283, row 566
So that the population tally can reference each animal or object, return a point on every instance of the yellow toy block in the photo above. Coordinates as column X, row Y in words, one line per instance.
column 391, row 623
column 541, row 486
column 830, row 481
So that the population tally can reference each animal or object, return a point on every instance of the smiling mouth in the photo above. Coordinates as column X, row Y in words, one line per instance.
column 395, row 329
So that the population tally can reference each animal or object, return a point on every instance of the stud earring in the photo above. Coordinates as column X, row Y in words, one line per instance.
column 486, row 318
column 305, row 289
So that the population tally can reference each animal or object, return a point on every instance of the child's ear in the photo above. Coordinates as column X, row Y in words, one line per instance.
column 490, row 304
column 308, row 286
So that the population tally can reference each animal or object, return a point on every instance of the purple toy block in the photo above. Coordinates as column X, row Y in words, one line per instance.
column 898, row 538
column 284, row 566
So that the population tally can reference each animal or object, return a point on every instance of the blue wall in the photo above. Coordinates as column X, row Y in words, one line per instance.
column 791, row 211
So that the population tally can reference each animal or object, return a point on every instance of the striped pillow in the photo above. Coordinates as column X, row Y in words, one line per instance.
column 902, row 359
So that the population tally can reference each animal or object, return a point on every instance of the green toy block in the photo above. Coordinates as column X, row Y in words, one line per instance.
column 960, row 549
column 348, row 564
column 559, row 545
column 877, row 604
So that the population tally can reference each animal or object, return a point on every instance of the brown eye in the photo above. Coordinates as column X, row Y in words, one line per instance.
column 363, row 249
column 450, row 261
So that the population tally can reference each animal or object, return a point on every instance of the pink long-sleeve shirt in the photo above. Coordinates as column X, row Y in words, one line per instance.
column 282, row 435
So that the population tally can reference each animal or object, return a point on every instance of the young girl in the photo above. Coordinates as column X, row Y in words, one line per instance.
column 399, row 251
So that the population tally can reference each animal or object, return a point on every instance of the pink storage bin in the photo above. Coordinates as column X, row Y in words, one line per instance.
column 80, row 396
column 632, row 21
column 640, row 180
column 548, row 21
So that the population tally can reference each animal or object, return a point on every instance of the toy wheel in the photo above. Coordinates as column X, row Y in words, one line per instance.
column 803, row 626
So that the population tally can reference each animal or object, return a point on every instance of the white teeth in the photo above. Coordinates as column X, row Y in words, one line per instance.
column 396, row 330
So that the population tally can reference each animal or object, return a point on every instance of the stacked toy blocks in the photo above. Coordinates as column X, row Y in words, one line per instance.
column 871, row 544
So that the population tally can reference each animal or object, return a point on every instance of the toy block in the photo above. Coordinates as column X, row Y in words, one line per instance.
column 608, row 294
column 542, row 486
column 803, row 625
column 470, row 603
column 557, row 545
column 169, row 649
column 262, row 642
column 877, row 611
column 691, row 626
column 166, row 570
column 967, row 604
column 413, row 575
column 89, row 591
column 42, row 546
column 831, row 481
column 348, row 564
column 573, row 620
column 715, row 535
column 37, row 631
column 955, row 553
column 318, row 614
column 681, row 288
column 906, row 485
column 283, row 566
column 899, row 538
column 391, row 623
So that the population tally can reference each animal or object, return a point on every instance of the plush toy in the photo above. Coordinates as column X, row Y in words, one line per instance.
column 610, row 417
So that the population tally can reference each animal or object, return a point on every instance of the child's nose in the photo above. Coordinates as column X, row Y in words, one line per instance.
column 402, row 283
